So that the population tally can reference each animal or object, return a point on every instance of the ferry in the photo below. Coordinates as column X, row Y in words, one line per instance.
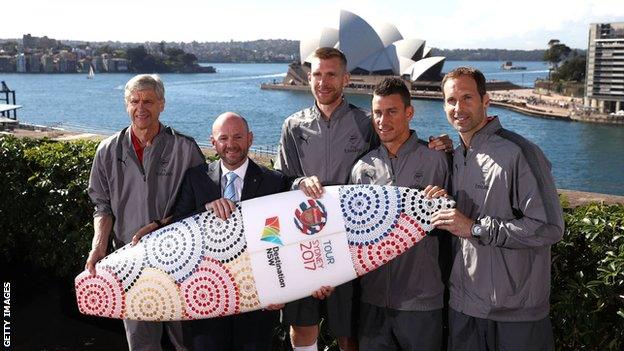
column 508, row 65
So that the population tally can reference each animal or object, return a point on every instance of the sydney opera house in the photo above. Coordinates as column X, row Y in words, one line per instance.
column 371, row 54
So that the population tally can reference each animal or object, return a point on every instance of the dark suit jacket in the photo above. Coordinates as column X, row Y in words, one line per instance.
column 251, row 330
column 202, row 184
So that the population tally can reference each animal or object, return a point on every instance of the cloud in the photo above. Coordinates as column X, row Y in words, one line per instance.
column 443, row 23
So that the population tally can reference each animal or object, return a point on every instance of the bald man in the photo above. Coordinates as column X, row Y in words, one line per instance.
column 218, row 186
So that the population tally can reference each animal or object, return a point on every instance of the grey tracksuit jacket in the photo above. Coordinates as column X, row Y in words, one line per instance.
column 309, row 145
column 504, row 182
column 134, row 193
column 412, row 281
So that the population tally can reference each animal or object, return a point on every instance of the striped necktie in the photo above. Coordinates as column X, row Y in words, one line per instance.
column 230, row 190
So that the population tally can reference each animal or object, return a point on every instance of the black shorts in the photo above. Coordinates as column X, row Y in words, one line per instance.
column 338, row 310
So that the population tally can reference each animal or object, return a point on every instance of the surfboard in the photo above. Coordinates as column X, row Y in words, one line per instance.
column 273, row 249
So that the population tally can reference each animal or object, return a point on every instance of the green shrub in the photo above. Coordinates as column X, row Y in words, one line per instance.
column 588, row 280
column 45, row 213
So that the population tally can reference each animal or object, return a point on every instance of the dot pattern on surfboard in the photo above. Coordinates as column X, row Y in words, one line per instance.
column 200, row 267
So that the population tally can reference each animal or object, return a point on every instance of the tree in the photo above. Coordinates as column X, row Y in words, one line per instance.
column 556, row 53
column 572, row 69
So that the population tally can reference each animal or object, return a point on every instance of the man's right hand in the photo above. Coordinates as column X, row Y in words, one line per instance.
column 222, row 207
column 94, row 257
column 311, row 187
column 441, row 143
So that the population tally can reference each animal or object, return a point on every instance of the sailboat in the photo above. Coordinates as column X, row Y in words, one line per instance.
column 91, row 74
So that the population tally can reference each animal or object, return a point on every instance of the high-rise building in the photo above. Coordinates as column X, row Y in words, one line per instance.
column 604, row 85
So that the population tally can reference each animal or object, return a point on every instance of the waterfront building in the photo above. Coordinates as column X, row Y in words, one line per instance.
column 121, row 65
column 34, row 63
column 47, row 63
column 107, row 63
column 604, row 85
column 98, row 64
column 20, row 63
column 84, row 65
column 7, row 63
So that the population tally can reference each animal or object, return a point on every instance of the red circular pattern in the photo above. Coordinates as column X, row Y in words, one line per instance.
column 210, row 291
column 405, row 234
column 101, row 295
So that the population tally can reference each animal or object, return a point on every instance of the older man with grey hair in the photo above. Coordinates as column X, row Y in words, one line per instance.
column 134, row 180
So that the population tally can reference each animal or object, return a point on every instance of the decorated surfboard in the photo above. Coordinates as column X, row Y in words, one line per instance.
column 273, row 249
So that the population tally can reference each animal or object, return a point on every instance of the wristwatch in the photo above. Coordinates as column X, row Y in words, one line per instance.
column 476, row 230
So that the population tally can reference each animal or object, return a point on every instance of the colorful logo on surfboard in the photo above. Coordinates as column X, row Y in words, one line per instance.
column 310, row 217
column 271, row 231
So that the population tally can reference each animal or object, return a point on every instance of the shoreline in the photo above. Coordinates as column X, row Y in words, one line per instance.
column 524, row 101
column 574, row 198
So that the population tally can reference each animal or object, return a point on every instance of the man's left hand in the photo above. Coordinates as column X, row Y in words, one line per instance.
column 453, row 221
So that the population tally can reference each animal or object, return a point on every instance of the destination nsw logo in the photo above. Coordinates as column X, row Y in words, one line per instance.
column 271, row 231
column 310, row 217
column 274, row 260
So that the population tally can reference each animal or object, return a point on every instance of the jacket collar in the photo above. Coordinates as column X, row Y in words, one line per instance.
column 339, row 111
column 410, row 144
column 251, row 182
column 482, row 135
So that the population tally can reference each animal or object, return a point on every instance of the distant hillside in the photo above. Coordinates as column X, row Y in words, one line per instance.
column 282, row 50
column 492, row 54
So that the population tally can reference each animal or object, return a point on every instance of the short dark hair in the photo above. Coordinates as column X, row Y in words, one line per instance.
column 474, row 73
column 393, row 85
column 328, row 53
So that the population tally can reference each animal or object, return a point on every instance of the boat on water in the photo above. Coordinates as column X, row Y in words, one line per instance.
column 508, row 65
column 91, row 74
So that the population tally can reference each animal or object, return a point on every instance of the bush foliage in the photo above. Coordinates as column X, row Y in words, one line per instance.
column 45, row 213
column 46, row 221
column 588, row 280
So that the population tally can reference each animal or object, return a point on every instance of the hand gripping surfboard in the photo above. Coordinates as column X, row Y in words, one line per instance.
column 273, row 249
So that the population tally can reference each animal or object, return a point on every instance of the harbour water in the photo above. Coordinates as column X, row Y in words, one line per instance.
column 587, row 157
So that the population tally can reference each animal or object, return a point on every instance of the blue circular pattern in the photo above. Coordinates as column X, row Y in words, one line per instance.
column 126, row 264
column 223, row 240
column 370, row 212
column 176, row 249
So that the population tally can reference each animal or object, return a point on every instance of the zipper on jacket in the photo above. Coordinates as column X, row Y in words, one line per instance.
column 328, row 148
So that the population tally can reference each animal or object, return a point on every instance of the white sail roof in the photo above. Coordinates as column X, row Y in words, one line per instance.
column 373, row 51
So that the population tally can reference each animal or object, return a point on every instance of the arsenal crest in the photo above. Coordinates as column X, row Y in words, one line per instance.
column 310, row 217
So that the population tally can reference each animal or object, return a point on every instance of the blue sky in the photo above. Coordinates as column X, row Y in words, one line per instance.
column 526, row 24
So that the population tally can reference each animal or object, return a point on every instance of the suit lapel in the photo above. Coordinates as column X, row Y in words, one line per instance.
column 214, row 172
column 252, row 181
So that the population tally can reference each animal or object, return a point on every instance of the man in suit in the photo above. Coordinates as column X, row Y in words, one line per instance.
column 218, row 186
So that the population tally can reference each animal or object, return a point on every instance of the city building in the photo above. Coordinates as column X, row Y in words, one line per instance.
column 34, row 63
column 7, row 63
column 604, row 85
column 47, row 63
column 20, row 63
